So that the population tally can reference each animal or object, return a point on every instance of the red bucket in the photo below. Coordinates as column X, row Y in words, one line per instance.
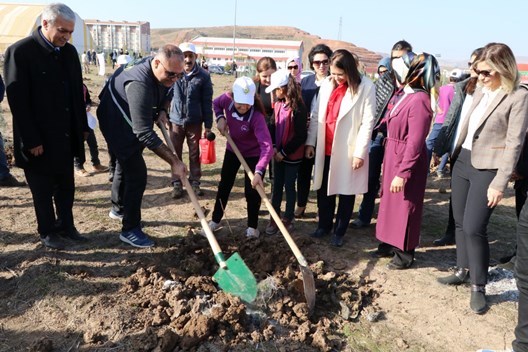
column 207, row 151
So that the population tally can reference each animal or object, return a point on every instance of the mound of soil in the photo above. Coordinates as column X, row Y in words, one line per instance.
column 180, row 307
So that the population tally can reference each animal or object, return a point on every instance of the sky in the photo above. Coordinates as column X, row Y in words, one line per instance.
column 448, row 28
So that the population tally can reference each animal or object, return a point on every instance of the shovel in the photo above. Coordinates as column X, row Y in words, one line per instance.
column 233, row 276
column 307, row 275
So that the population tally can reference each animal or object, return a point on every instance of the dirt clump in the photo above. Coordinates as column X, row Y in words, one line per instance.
column 181, row 305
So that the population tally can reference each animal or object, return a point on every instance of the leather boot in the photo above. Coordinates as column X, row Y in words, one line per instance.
column 460, row 276
column 477, row 302
column 447, row 240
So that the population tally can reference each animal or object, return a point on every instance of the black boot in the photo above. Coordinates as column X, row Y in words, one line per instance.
column 459, row 277
column 477, row 302
column 447, row 240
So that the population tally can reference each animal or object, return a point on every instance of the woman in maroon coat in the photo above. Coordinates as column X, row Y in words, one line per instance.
column 408, row 119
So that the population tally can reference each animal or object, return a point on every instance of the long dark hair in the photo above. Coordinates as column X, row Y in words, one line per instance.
column 344, row 60
column 472, row 83
column 293, row 93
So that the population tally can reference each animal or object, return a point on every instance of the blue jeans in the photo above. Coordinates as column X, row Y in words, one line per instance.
column 521, row 273
column 429, row 143
column 284, row 178
column 4, row 169
column 376, row 152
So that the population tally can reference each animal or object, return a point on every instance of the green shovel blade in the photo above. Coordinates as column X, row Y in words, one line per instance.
column 237, row 279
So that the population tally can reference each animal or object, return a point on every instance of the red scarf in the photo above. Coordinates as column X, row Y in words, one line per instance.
column 332, row 112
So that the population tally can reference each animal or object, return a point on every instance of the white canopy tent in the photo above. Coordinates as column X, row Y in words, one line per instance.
column 17, row 21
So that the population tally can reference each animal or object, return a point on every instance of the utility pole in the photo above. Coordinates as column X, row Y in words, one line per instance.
column 340, row 26
column 234, row 35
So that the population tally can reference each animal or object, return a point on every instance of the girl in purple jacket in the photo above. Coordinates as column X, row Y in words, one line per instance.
column 288, row 134
column 241, row 115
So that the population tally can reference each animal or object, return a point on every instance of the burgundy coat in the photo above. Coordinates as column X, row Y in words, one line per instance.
column 400, row 214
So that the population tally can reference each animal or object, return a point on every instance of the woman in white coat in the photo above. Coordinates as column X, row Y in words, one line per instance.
column 340, row 129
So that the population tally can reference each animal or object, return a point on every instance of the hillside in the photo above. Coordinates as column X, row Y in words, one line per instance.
column 162, row 36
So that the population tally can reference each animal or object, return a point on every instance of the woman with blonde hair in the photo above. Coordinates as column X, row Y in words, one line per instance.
column 488, row 145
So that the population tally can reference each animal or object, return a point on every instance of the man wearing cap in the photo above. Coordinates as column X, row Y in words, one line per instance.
column 445, row 96
column 191, row 107
column 44, row 89
column 131, row 100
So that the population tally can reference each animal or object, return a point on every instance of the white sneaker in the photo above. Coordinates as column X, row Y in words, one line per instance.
column 252, row 233
column 214, row 226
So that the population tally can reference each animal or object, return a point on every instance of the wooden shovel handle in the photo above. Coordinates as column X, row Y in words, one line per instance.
column 219, row 256
column 300, row 258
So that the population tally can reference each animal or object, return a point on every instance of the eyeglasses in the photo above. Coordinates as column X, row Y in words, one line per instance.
column 320, row 62
column 296, row 67
column 485, row 73
column 171, row 74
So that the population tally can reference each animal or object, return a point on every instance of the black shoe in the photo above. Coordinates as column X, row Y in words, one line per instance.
column 11, row 181
column 320, row 233
column 399, row 266
column 358, row 224
column 73, row 235
column 477, row 303
column 177, row 191
column 52, row 241
column 337, row 241
column 459, row 277
column 196, row 189
column 507, row 259
column 381, row 253
column 447, row 240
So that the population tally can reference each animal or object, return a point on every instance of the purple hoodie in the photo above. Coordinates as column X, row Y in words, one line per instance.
column 249, row 131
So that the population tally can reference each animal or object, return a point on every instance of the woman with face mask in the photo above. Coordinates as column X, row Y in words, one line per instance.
column 408, row 119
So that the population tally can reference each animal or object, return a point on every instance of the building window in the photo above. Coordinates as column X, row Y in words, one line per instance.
column 280, row 51
column 254, row 50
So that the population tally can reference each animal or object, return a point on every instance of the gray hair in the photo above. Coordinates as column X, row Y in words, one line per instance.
column 52, row 11
column 169, row 50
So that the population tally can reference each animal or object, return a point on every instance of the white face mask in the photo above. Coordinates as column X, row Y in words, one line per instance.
column 400, row 69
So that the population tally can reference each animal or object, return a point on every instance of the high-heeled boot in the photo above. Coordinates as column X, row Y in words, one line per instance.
column 477, row 303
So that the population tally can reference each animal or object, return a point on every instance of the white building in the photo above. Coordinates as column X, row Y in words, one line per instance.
column 110, row 35
column 246, row 52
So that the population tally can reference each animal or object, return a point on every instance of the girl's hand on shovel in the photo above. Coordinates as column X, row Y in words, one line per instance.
column 221, row 124
column 257, row 180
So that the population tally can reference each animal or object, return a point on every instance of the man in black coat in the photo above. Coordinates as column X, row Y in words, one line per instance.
column 44, row 90
column 134, row 97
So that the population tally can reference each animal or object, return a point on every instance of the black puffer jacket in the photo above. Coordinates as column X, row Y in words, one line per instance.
column 444, row 141
column 385, row 87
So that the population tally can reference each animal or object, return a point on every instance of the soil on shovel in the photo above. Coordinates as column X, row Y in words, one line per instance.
column 179, row 307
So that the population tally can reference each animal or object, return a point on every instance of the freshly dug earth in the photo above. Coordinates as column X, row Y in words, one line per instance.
column 105, row 296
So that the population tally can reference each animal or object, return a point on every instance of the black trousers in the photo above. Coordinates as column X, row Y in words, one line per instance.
column 326, row 206
column 227, row 180
column 52, row 192
column 304, row 179
column 471, row 212
column 128, row 186
column 520, row 344
column 94, row 152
